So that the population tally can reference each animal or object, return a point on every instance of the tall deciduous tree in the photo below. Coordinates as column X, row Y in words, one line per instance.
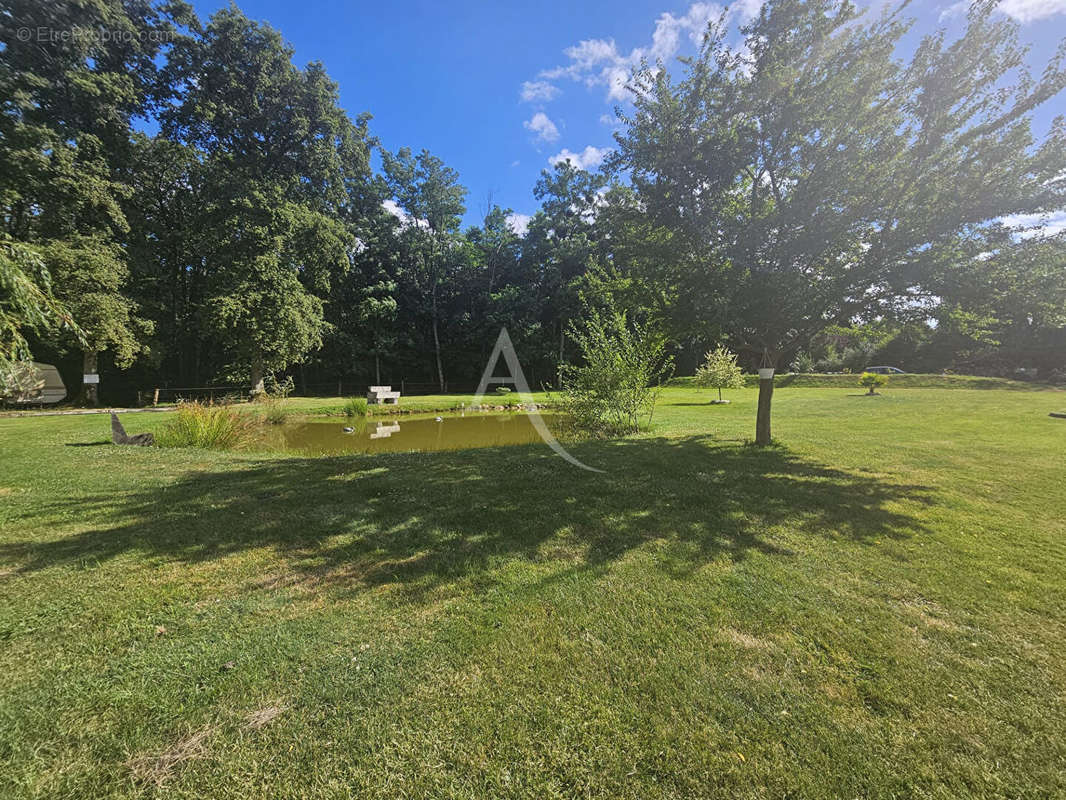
column 499, row 292
column 561, row 246
column 27, row 305
column 429, row 193
column 67, row 94
column 166, row 250
column 273, row 144
column 363, row 309
column 1004, row 296
column 811, row 178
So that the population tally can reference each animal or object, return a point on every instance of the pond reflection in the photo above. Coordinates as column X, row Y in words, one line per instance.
column 369, row 435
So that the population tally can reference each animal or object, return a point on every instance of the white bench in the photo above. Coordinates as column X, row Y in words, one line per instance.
column 383, row 395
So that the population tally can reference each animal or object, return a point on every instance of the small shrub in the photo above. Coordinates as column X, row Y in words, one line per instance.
column 845, row 360
column 617, row 386
column 803, row 362
column 208, row 427
column 872, row 380
column 272, row 411
column 280, row 389
column 355, row 407
column 719, row 371
column 503, row 390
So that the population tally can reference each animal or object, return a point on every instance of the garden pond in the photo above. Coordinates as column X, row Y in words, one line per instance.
column 405, row 433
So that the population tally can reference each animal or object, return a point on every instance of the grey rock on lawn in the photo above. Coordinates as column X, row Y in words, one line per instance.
column 119, row 435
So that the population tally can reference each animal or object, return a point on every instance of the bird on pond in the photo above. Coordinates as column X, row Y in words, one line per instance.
column 439, row 419
column 349, row 430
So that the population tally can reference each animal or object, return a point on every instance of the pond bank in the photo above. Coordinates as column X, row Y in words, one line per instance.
column 311, row 436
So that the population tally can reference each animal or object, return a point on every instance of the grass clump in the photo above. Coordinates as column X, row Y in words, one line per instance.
column 208, row 427
column 355, row 407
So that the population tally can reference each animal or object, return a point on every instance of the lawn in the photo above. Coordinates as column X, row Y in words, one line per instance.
column 873, row 608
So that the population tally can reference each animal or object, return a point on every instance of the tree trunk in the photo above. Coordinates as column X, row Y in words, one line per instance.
column 257, row 379
column 762, row 423
column 89, row 391
column 559, row 366
column 719, row 394
column 436, row 343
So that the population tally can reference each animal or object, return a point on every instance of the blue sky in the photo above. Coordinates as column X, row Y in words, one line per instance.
column 498, row 89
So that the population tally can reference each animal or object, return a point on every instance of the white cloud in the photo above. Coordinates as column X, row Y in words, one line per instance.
column 599, row 62
column 1023, row 11
column 589, row 158
column 955, row 10
column 541, row 125
column 538, row 91
column 519, row 223
column 592, row 52
column 617, row 80
column 667, row 37
column 394, row 208
column 405, row 219
column 1032, row 10
column 668, row 28
column 1030, row 225
column 744, row 11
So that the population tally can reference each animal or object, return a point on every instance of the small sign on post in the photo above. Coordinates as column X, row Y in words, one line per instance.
column 90, row 378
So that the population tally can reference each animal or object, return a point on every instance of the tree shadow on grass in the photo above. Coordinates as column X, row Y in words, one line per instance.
column 425, row 519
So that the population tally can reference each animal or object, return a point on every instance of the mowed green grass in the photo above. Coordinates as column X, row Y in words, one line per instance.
column 873, row 608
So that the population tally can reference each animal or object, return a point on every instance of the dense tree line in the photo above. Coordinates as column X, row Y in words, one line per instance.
column 188, row 207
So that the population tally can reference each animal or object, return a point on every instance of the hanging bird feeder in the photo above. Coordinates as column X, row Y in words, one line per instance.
column 766, row 369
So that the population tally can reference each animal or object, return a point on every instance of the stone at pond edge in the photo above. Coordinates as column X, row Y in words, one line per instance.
column 119, row 435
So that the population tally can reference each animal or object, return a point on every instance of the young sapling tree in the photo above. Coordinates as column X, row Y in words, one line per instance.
column 720, row 370
column 872, row 381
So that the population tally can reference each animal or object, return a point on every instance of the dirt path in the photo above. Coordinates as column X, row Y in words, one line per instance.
column 76, row 411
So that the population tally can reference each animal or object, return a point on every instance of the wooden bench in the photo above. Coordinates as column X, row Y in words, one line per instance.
column 382, row 395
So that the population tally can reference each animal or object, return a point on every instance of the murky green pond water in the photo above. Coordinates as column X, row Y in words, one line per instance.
column 404, row 434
